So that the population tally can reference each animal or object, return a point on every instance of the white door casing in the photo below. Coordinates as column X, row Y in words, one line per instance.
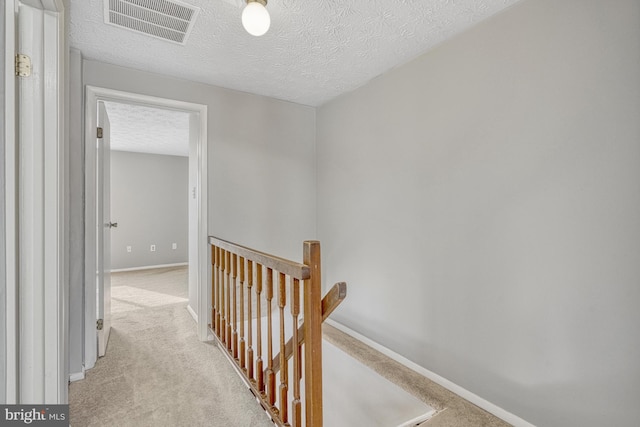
column 36, row 329
column 10, row 356
column 194, row 123
column 103, row 229
column 198, row 160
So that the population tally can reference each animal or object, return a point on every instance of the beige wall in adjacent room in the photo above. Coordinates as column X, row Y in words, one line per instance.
column 149, row 201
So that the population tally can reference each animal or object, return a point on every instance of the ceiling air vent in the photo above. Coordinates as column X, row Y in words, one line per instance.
column 170, row 20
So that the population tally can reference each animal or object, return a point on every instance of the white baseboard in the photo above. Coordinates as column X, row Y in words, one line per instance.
column 77, row 376
column 149, row 267
column 460, row 391
column 192, row 313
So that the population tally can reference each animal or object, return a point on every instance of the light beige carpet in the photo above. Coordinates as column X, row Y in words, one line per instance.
column 156, row 372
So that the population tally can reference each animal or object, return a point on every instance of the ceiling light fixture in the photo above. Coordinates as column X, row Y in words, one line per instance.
column 255, row 17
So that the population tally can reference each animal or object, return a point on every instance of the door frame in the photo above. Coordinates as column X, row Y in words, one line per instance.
column 36, row 356
column 94, row 94
column 8, row 299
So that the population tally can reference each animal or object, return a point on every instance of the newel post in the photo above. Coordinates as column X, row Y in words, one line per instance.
column 313, row 335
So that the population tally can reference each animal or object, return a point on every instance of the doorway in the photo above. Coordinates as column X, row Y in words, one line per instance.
column 197, row 206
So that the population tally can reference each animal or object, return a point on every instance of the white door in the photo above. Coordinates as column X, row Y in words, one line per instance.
column 103, row 230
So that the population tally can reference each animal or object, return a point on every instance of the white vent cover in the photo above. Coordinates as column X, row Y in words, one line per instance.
column 170, row 20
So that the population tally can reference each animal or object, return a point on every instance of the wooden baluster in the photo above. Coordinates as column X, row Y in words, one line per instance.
column 243, row 359
column 284, row 374
column 296, row 404
column 213, row 286
column 223, row 316
column 259, row 368
column 313, row 335
column 234, row 334
column 214, row 289
column 219, row 295
column 250, row 320
column 271, row 380
column 228, row 299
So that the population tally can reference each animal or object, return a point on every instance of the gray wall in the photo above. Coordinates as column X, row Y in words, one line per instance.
column 149, row 197
column 261, row 160
column 483, row 203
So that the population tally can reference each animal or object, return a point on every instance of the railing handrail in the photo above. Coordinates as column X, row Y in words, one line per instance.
column 294, row 269
column 242, row 278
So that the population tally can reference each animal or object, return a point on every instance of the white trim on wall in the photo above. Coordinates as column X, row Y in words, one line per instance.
column 149, row 267
column 93, row 95
column 76, row 376
column 449, row 385
column 192, row 313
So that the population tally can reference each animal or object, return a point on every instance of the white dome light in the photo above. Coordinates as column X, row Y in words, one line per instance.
column 255, row 18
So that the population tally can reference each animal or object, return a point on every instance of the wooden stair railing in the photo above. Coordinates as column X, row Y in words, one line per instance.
column 243, row 281
column 330, row 302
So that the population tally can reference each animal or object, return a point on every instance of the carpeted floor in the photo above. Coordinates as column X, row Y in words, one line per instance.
column 157, row 373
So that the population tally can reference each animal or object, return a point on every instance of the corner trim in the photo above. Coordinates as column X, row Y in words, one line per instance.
column 449, row 385
column 192, row 313
column 77, row 376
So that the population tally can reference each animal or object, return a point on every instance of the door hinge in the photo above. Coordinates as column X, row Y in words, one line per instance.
column 23, row 65
column 100, row 324
column 99, row 132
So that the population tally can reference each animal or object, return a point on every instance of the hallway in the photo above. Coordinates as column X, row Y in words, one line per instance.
column 156, row 372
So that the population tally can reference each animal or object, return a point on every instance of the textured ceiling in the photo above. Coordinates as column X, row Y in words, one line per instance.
column 145, row 129
column 314, row 51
